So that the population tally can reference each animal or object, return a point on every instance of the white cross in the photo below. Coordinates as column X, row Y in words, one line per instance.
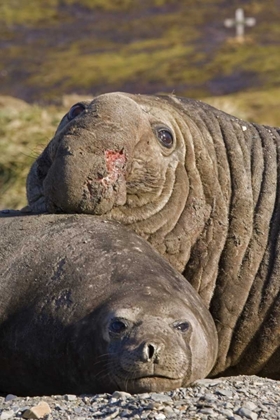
column 240, row 22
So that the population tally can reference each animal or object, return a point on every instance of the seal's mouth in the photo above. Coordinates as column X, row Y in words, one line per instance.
column 152, row 383
column 168, row 378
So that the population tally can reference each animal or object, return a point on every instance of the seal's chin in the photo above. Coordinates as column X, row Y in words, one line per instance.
column 151, row 384
column 100, row 197
column 97, row 198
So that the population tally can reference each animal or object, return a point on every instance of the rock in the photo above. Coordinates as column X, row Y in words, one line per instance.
column 38, row 411
column 250, row 405
column 121, row 394
column 10, row 397
column 5, row 415
column 245, row 412
column 160, row 417
column 160, row 398
column 70, row 397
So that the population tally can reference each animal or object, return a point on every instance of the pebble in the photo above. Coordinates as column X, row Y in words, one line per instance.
column 233, row 398
column 160, row 417
column 225, row 393
column 70, row 397
column 42, row 409
column 7, row 415
column 245, row 412
column 10, row 397
column 250, row 405
column 121, row 394
column 161, row 398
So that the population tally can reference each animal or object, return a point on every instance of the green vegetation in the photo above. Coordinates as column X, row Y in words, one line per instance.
column 261, row 107
column 261, row 60
column 34, row 12
column 27, row 12
column 24, row 132
column 52, row 47
column 131, row 63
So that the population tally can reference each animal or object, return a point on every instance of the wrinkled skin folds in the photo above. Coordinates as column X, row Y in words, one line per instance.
column 200, row 185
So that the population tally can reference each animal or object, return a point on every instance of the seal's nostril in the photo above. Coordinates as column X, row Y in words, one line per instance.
column 151, row 351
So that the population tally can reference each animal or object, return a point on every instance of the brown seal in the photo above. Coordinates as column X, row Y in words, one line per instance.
column 88, row 306
column 200, row 185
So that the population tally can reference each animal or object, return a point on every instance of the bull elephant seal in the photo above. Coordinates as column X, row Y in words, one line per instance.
column 200, row 185
column 87, row 306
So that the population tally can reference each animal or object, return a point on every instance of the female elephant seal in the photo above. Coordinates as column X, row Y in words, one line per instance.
column 87, row 306
column 200, row 185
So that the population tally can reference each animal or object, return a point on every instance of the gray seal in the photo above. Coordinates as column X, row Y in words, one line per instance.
column 200, row 185
column 86, row 306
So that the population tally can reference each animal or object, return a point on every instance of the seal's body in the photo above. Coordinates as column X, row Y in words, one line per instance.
column 87, row 306
column 200, row 185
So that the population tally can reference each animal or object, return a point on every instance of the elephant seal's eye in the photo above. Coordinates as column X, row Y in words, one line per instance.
column 182, row 326
column 165, row 137
column 75, row 111
column 117, row 327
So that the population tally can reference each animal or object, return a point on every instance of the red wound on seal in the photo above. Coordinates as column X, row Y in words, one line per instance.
column 114, row 160
column 115, row 163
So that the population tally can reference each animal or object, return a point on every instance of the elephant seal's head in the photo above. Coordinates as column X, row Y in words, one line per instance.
column 111, row 152
column 99, row 310
column 153, row 342
column 130, row 158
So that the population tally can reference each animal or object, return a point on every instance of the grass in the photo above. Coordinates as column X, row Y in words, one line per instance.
column 130, row 63
column 25, row 130
column 260, row 106
column 36, row 12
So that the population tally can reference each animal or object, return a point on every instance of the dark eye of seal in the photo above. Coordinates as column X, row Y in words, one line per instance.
column 165, row 137
column 75, row 111
column 182, row 326
column 117, row 326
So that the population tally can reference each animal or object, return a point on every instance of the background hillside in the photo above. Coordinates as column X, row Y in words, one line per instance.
column 51, row 48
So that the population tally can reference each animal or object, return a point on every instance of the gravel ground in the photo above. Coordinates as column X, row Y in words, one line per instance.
column 235, row 398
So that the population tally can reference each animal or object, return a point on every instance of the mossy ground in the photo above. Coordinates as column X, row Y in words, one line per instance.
column 52, row 47
column 25, row 130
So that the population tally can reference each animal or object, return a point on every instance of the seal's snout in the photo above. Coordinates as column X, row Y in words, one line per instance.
column 90, row 180
column 151, row 351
